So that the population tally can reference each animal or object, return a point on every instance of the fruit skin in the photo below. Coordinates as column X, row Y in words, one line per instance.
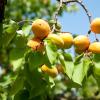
column 94, row 47
column 95, row 26
column 81, row 42
column 68, row 40
column 36, row 44
column 40, row 28
column 56, row 39
column 53, row 72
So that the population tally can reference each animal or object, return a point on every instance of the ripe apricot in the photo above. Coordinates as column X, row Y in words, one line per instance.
column 81, row 42
column 68, row 39
column 50, row 71
column 56, row 39
column 95, row 26
column 40, row 28
column 94, row 47
column 36, row 44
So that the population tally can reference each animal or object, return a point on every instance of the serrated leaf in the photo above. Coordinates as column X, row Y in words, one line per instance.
column 67, row 64
column 51, row 52
column 78, row 73
column 80, row 70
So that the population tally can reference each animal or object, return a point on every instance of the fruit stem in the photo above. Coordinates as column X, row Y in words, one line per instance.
column 83, row 6
column 96, row 38
column 56, row 14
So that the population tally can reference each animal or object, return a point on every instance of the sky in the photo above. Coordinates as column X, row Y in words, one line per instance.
column 77, row 22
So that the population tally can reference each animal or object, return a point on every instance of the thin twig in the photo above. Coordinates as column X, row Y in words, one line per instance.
column 55, row 15
column 85, row 9
column 24, row 21
column 81, row 3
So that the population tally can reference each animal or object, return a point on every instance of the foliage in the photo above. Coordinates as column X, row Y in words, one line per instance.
column 22, row 78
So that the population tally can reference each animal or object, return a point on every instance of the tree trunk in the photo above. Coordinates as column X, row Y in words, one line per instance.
column 2, row 8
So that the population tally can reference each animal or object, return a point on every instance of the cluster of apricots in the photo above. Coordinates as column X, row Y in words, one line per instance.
column 64, row 40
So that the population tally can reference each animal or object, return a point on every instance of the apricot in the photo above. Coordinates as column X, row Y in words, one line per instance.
column 50, row 71
column 68, row 40
column 95, row 26
column 56, row 39
column 81, row 42
column 36, row 44
column 40, row 28
column 94, row 47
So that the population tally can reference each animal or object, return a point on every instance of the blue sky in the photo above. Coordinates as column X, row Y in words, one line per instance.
column 77, row 23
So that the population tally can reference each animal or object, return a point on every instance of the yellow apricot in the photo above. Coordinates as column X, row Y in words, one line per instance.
column 56, row 39
column 68, row 39
column 95, row 26
column 40, row 28
column 81, row 42
column 50, row 71
column 94, row 47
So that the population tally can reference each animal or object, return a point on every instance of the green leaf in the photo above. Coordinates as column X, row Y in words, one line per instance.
column 78, row 73
column 36, row 81
column 22, row 95
column 51, row 52
column 67, row 62
column 9, row 33
column 78, row 58
column 96, row 61
column 67, row 56
column 17, row 58
column 35, row 60
column 26, row 29
column 80, row 70
column 17, row 85
column 20, row 41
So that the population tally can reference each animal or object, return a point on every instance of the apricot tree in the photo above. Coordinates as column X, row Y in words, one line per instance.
column 35, row 53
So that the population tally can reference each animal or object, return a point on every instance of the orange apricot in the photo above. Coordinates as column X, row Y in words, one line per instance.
column 81, row 42
column 36, row 44
column 95, row 26
column 40, row 28
column 94, row 47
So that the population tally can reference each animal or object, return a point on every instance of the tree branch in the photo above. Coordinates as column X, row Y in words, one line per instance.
column 55, row 15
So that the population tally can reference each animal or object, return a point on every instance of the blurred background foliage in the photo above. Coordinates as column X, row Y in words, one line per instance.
column 14, row 47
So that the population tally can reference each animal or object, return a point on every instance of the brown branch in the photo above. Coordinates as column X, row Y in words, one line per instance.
column 2, row 9
column 55, row 15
